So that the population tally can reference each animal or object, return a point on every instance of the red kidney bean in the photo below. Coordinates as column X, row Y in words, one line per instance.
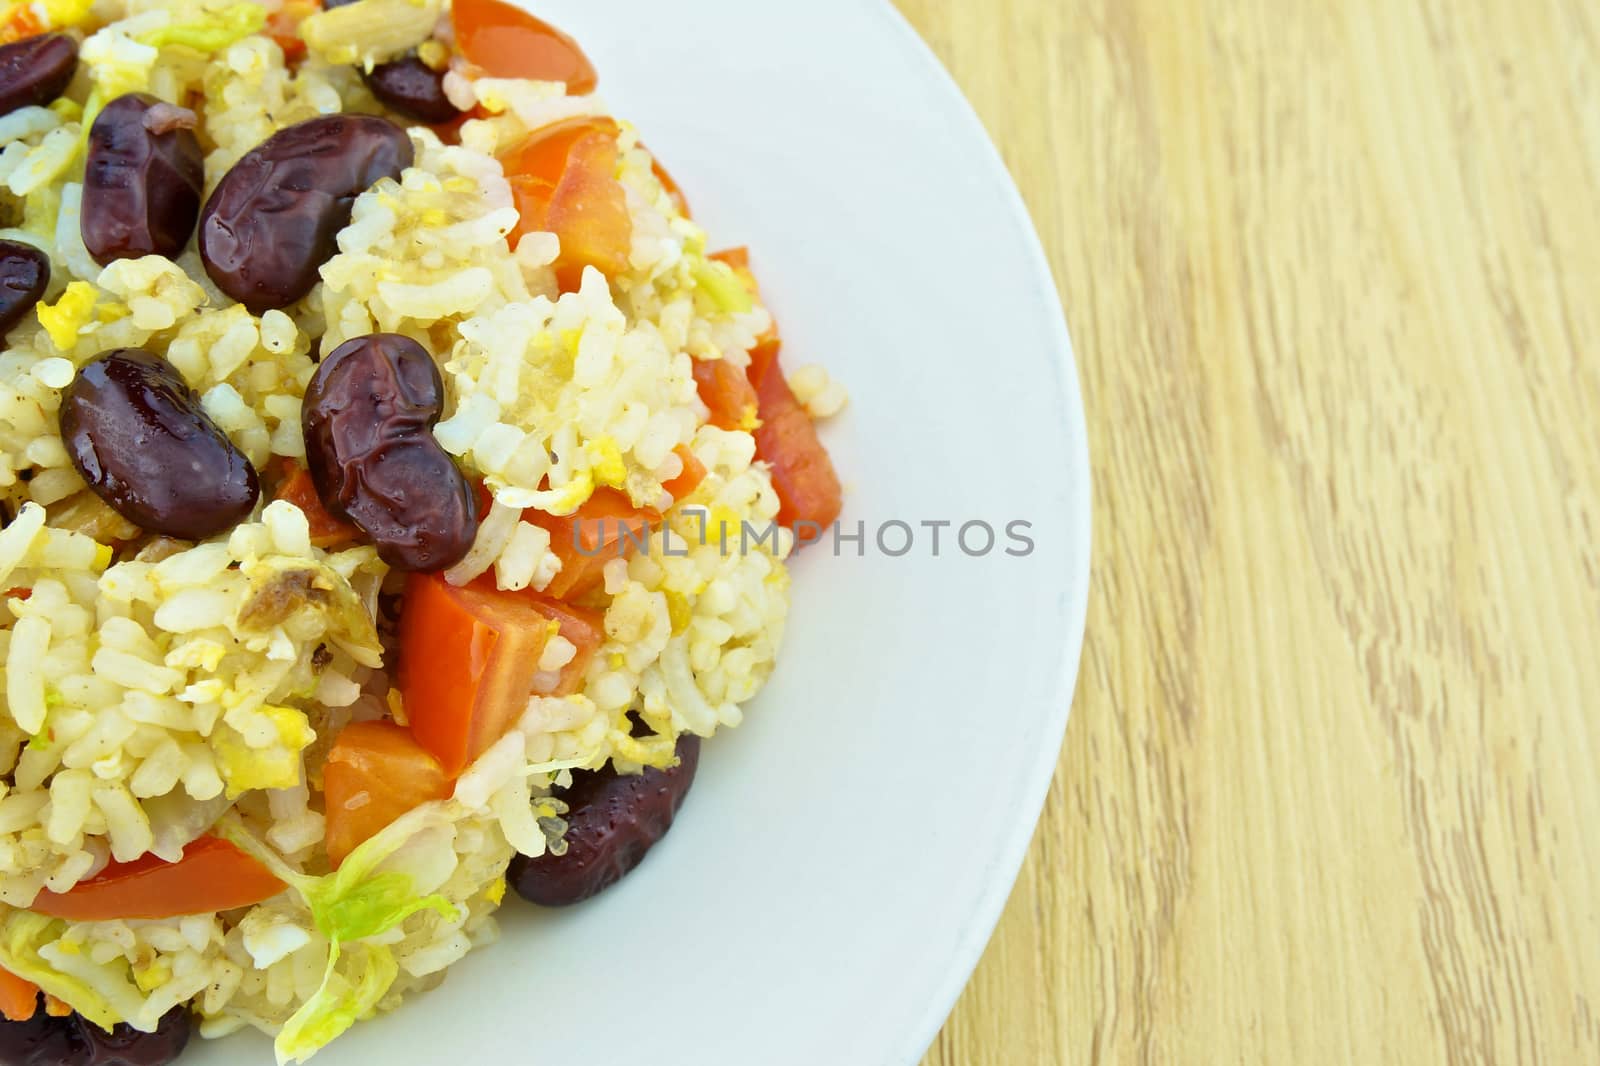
column 273, row 219
column 24, row 275
column 36, row 70
column 368, row 419
column 44, row 1040
column 412, row 88
column 137, row 434
column 614, row 820
column 141, row 188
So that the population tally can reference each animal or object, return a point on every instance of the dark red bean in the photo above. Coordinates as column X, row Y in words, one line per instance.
column 44, row 1040
column 24, row 275
column 35, row 71
column 614, row 820
column 273, row 219
column 137, row 434
column 368, row 419
column 414, row 89
column 141, row 189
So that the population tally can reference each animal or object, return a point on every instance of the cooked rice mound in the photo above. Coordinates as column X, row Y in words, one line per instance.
column 156, row 690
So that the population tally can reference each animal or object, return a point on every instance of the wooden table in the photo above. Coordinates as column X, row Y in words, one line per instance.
column 1330, row 792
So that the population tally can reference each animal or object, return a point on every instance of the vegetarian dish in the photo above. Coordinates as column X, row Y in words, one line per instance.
column 396, row 490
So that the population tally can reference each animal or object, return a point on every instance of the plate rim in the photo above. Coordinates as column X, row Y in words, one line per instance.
column 984, row 916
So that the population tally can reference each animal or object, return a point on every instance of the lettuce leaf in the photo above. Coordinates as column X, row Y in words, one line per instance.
column 213, row 33
column 338, row 1003
column 350, row 905
column 112, row 998
column 718, row 281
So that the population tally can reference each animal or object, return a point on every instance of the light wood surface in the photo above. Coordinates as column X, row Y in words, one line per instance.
column 1331, row 790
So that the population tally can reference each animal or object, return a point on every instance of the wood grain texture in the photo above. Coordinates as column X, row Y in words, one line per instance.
column 1330, row 791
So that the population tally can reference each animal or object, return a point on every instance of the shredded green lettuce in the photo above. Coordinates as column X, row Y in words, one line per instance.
column 338, row 1003
column 350, row 905
column 718, row 281
column 212, row 33
column 25, row 933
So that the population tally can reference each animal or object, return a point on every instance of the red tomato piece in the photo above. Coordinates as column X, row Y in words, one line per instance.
column 563, row 179
column 326, row 531
column 507, row 42
column 606, row 527
column 467, row 660
column 727, row 391
column 808, row 487
column 376, row 771
column 18, row 998
column 213, row 875
column 583, row 628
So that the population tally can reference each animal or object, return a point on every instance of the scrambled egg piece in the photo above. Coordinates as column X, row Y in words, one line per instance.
column 244, row 768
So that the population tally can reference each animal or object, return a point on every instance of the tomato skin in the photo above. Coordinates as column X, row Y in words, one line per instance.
column 674, row 190
column 326, row 531
column 563, row 181
column 507, row 42
column 727, row 391
column 802, row 472
column 607, row 526
column 19, row 999
column 376, row 771
column 467, row 661
column 213, row 875
column 585, row 629
column 694, row 472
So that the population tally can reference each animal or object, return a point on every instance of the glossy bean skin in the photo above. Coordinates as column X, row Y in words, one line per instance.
column 24, row 275
column 412, row 88
column 272, row 221
column 136, row 433
column 368, row 419
column 36, row 70
column 614, row 820
column 44, row 1040
column 142, row 184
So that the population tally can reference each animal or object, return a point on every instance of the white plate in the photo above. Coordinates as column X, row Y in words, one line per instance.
column 846, row 852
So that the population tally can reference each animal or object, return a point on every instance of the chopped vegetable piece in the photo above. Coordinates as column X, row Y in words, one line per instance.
column 673, row 189
column 607, row 526
column 283, row 26
column 727, row 391
column 18, row 998
column 582, row 628
column 467, row 660
column 375, row 772
column 326, row 531
column 694, row 472
column 507, row 42
column 213, row 875
column 803, row 474
column 564, row 181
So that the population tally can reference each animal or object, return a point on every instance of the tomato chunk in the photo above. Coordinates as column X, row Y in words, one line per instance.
column 376, row 772
column 564, row 181
column 727, row 391
column 326, row 531
column 607, row 526
column 283, row 26
column 694, row 472
column 467, row 661
column 213, row 875
column 507, row 42
column 671, row 185
column 18, row 998
column 584, row 629
column 802, row 473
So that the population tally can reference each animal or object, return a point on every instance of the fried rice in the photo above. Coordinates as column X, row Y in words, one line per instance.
column 157, row 691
